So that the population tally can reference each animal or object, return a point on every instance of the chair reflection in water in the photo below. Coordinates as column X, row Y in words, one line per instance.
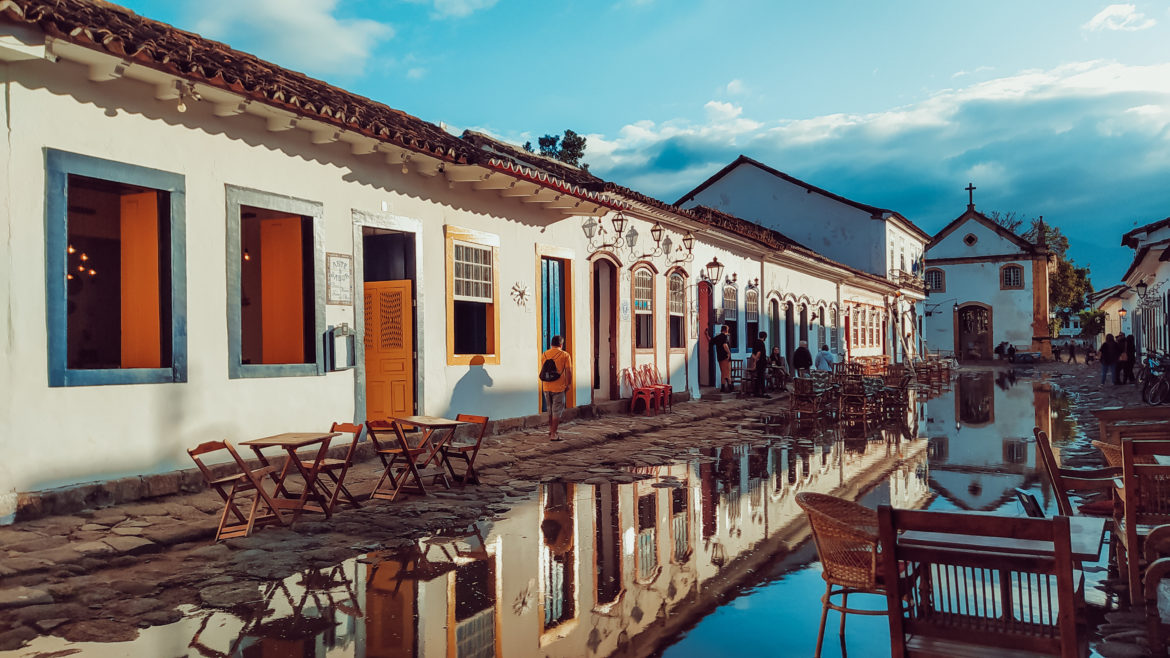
column 296, row 616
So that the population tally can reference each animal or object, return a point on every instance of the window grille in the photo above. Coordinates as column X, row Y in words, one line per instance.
column 473, row 273
column 1013, row 276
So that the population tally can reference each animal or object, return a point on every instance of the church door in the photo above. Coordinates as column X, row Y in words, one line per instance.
column 974, row 333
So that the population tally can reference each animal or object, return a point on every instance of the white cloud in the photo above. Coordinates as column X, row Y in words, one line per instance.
column 416, row 73
column 735, row 87
column 720, row 111
column 1119, row 17
column 456, row 8
column 299, row 34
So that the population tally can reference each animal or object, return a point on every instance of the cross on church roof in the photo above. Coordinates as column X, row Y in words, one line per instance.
column 970, row 195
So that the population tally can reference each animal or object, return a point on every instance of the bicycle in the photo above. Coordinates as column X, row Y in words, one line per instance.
column 1154, row 378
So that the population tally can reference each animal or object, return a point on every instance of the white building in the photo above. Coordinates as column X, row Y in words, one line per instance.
column 987, row 286
column 1145, row 295
column 202, row 245
column 875, row 240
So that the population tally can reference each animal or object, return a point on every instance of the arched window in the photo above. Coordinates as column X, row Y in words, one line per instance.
column 751, row 316
column 822, row 319
column 731, row 315
column 936, row 281
column 678, row 306
column 855, row 341
column 834, row 341
column 643, row 310
column 1011, row 277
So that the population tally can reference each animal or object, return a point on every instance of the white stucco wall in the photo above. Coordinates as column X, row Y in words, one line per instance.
column 837, row 230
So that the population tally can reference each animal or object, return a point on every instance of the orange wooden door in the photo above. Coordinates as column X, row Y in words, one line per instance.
column 389, row 349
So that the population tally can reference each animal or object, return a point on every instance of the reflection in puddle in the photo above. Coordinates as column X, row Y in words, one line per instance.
column 682, row 555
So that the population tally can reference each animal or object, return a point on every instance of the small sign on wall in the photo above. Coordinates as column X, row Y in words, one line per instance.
column 339, row 279
column 625, row 310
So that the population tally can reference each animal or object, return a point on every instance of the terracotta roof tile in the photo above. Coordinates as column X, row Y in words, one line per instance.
column 118, row 31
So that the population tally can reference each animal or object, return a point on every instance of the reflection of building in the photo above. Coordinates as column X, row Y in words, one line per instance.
column 981, row 445
column 582, row 570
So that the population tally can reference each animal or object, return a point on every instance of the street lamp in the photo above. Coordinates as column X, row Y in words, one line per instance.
column 714, row 270
column 1121, row 314
column 1141, row 288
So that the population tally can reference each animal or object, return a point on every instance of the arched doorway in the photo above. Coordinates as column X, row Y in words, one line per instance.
column 973, row 333
column 605, row 317
column 774, row 325
column 789, row 331
column 706, row 354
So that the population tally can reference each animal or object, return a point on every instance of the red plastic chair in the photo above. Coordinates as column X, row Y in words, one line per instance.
column 648, row 396
column 651, row 378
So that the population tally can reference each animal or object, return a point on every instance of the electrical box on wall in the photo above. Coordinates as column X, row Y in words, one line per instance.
column 339, row 348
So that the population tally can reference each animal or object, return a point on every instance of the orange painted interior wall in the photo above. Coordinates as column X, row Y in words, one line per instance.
column 282, row 289
column 140, row 281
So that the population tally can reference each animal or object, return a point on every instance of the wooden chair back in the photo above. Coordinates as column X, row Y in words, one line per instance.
column 975, row 599
column 1044, row 447
column 1108, row 416
column 238, row 480
column 1145, row 483
column 354, row 429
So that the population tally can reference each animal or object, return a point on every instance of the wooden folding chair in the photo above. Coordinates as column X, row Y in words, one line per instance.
column 336, row 469
column 241, row 480
column 407, row 459
column 466, row 452
column 1064, row 480
column 1144, row 492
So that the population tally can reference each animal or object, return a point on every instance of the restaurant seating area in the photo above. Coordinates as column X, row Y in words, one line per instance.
column 988, row 583
column 416, row 452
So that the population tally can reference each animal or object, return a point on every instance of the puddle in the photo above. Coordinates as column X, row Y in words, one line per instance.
column 707, row 556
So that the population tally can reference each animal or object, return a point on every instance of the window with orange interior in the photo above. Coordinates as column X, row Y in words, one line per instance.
column 276, row 287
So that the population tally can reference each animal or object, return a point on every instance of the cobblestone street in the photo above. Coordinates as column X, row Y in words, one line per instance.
column 101, row 574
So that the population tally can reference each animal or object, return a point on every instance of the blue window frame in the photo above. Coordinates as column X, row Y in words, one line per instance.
column 71, row 364
column 247, row 205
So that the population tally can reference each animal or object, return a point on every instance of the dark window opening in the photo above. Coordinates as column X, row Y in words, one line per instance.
column 753, row 332
column 118, row 276
column 677, row 334
column 643, row 331
column 470, row 327
column 732, row 334
column 276, row 287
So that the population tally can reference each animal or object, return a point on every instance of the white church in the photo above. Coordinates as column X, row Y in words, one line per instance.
column 986, row 286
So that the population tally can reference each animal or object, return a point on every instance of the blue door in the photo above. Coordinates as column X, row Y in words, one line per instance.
column 552, row 300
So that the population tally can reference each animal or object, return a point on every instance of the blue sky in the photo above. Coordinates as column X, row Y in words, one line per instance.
column 1058, row 108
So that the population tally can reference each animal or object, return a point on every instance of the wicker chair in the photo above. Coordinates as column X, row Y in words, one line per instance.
column 846, row 537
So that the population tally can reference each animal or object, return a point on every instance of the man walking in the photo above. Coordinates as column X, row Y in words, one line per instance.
column 1072, row 352
column 555, row 375
column 760, row 352
column 825, row 359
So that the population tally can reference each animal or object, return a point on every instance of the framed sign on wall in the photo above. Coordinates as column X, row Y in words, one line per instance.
column 339, row 279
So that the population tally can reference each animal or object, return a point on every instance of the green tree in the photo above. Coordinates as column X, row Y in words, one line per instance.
column 568, row 148
column 1092, row 322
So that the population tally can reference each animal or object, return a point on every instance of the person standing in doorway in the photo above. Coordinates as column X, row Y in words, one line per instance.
column 555, row 375
column 802, row 359
column 722, row 344
column 1108, row 354
column 760, row 353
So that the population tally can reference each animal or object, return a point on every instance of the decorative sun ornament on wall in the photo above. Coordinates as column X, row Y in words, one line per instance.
column 520, row 294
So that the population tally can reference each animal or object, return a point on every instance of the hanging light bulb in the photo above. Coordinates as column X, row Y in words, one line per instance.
column 92, row 272
column 69, row 277
column 71, row 249
column 80, row 268
column 83, row 256
column 247, row 256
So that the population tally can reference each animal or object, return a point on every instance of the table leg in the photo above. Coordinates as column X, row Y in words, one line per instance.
column 277, row 476
column 310, row 477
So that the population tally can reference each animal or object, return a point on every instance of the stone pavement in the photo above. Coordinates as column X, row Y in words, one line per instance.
column 99, row 574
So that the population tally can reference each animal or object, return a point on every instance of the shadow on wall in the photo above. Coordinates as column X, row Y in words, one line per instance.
column 473, row 394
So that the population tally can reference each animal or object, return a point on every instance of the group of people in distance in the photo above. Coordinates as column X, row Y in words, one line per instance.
column 760, row 361
column 1118, row 356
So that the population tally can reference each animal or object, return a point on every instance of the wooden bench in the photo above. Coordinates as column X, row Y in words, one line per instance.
column 1137, row 419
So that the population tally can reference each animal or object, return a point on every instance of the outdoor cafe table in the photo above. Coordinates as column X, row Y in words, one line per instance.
column 291, row 442
column 1086, row 534
column 437, row 432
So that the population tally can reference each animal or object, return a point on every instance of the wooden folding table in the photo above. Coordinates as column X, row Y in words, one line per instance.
column 291, row 442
